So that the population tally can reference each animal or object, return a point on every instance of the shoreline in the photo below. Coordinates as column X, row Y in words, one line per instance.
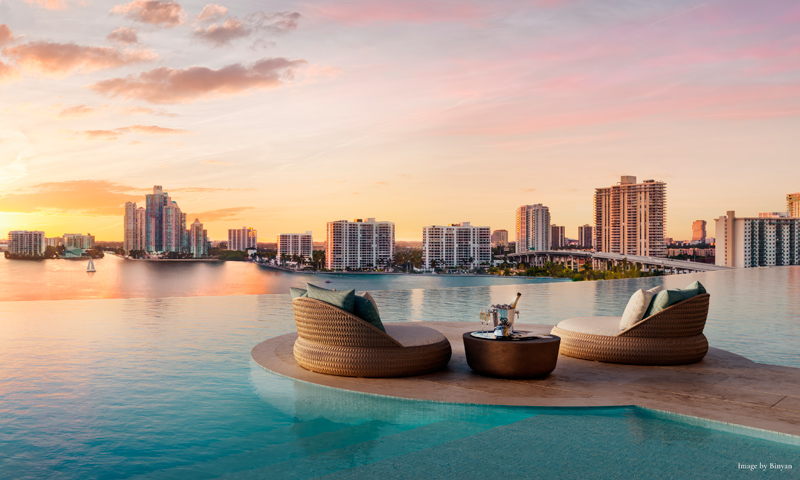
column 314, row 272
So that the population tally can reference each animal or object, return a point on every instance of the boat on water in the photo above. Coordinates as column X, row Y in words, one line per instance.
column 327, row 281
column 90, row 267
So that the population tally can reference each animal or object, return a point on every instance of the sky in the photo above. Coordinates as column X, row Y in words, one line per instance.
column 283, row 116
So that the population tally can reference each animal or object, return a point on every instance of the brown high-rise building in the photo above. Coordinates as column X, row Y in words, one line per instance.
column 630, row 218
column 585, row 237
column 557, row 238
column 699, row 231
column 500, row 238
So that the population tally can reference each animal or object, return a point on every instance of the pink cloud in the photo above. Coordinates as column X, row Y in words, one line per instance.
column 362, row 12
column 7, row 73
column 60, row 59
column 51, row 4
column 220, row 35
column 123, row 35
column 169, row 85
column 76, row 111
column 118, row 132
column 5, row 35
column 211, row 12
column 168, row 14
column 275, row 22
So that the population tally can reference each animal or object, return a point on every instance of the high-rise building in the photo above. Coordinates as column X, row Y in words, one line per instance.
column 793, row 204
column 23, row 242
column 533, row 228
column 699, row 231
column 585, row 236
column 458, row 244
column 557, row 238
column 500, row 238
column 757, row 242
column 774, row 215
column 242, row 238
column 53, row 242
column 130, row 228
column 198, row 240
column 359, row 244
column 158, row 227
column 77, row 240
column 140, row 237
column 291, row 244
column 630, row 218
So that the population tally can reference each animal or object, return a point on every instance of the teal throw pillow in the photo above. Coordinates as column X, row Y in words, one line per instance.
column 667, row 298
column 298, row 292
column 365, row 310
column 344, row 299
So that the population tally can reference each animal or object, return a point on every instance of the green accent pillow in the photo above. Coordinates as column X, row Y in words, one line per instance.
column 344, row 299
column 298, row 292
column 667, row 298
column 365, row 310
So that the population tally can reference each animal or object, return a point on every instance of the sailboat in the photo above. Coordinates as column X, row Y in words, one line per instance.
column 90, row 267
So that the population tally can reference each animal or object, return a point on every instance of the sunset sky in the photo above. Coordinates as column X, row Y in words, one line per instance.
column 285, row 115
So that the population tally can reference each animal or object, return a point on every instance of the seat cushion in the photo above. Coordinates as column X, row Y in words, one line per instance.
column 366, row 310
column 637, row 305
column 298, row 292
column 344, row 299
column 608, row 326
column 414, row 335
column 667, row 298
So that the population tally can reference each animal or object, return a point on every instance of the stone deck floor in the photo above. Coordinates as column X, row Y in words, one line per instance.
column 724, row 386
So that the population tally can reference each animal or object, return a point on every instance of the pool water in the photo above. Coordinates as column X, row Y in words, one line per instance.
column 165, row 388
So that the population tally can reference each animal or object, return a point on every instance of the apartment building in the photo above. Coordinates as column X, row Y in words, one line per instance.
column 198, row 240
column 458, row 244
column 757, row 241
column 699, row 231
column 242, row 238
column 557, row 237
column 291, row 244
column 793, row 204
column 77, row 240
column 533, row 228
column 586, row 236
column 500, row 238
column 359, row 244
column 24, row 242
column 630, row 218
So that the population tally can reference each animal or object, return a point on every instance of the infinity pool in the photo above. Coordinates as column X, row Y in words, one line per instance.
column 165, row 388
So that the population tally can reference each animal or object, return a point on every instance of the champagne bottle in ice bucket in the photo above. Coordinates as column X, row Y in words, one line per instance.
column 504, row 325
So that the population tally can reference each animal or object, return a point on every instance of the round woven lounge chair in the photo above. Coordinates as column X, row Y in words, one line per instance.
column 334, row 342
column 673, row 336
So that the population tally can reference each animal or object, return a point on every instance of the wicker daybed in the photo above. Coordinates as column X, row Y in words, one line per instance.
column 333, row 341
column 673, row 336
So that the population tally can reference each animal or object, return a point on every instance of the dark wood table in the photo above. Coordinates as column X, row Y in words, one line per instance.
column 526, row 358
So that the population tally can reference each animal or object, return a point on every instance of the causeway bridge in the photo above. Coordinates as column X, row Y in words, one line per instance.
column 600, row 259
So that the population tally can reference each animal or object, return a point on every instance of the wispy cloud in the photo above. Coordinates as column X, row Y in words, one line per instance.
column 168, row 85
column 53, row 4
column 76, row 111
column 222, row 34
column 115, row 133
column 124, row 35
column 211, row 12
column 215, row 162
column 60, row 59
column 220, row 214
column 86, row 197
column 6, row 35
column 167, row 14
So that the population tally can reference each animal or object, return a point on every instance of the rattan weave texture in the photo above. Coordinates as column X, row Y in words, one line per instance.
column 674, row 336
column 334, row 342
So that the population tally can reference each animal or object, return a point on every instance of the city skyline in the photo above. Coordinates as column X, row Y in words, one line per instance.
column 423, row 113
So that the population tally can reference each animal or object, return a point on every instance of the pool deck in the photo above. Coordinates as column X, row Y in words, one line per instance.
column 724, row 386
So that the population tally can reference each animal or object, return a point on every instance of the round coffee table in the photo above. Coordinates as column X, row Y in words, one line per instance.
column 525, row 358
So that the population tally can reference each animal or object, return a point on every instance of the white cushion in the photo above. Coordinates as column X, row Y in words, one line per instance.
column 607, row 326
column 637, row 305
column 413, row 335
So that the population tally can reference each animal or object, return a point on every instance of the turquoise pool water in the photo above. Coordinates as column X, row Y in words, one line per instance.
column 165, row 388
